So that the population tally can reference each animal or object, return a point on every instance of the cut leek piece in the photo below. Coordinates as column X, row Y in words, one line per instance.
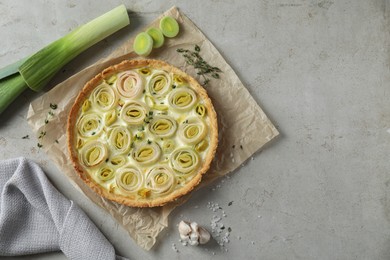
column 143, row 44
column 157, row 36
column 37, row 70
column 43, row 65
column 169, row 26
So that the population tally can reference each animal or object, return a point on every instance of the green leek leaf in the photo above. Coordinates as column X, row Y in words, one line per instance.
column 10, row 88
column 37, row 70
column 43, row 65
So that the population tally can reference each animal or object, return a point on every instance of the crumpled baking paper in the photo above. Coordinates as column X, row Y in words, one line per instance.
column 243, row 126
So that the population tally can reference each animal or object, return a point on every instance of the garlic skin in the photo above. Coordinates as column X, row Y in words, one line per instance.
column 204, row 236
column 193, row 234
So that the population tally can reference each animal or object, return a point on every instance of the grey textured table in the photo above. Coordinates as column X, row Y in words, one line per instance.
column 319, row 69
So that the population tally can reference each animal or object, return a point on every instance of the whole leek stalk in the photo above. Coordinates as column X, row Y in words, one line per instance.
column 37, row 70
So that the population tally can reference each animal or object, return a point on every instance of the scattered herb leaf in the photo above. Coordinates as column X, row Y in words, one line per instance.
column 39, row 145
column 42, row 134
column 194, row 59
column 26, row 137
column 53, row 106
column 229, row 229
column 230, row 203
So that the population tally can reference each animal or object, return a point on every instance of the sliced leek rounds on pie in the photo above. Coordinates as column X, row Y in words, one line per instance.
column 142, row 133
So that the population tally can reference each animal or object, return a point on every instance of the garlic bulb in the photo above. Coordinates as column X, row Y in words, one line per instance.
column 193, row 234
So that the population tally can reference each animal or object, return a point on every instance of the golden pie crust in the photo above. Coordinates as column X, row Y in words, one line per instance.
column 92, row 153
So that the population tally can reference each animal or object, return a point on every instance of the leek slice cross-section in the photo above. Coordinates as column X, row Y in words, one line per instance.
column 129, row 179
column 182, row 99
column 94, row 153
column 143, row 44
column 90, row 125
column 134, row 112
column 104, row 97
column 160, row 180
column 105, row 173
column 169, row 26
column 159, row 83
column 163, row 126
column 130, row 84
column 192, row 130
column 120, row 139
column 184, row 160
column 147, row 153
column 157, row 36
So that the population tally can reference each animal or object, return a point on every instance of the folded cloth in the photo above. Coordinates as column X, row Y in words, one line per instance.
column 36, row 218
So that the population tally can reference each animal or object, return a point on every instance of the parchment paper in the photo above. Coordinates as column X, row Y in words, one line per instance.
column 243, row 126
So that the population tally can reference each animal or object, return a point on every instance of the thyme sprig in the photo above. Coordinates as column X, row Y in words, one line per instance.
column 49, row 116
column 203, row 69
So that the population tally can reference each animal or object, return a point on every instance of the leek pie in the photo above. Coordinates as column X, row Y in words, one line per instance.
column 142, row 133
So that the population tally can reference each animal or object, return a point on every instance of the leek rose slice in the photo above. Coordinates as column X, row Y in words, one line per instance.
column 144, row 71
column 118, row 160
column 129, row 179
column 105, row 174
column 201, row 110
column 147, row 153
column 120, row 139
column 168, row 146
column 110, row 117
column 184, row 160
column 129, row 84
column 192, row 130
column 178, row 80
column 134, row 113
column 163, row 126
column 104, row 97
column 159, row 83
column 202, row 146
column 89, row 125
column 160, row 180
column 182, row 99
column 93, row 154
column 86, row 105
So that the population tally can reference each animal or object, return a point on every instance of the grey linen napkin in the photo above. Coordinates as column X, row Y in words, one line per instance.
column 36, row 218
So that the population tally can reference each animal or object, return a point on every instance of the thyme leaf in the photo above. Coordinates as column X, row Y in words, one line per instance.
column 53, row 106
column 203, row 69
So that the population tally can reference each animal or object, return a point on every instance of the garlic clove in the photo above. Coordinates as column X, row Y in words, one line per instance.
column 194, row 226
column 194, row 239
column 193, row 234
column 184, row 237
column 204, row 236
column 184, row 228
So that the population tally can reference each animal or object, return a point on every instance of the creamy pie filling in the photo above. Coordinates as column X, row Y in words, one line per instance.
column 143, row 133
